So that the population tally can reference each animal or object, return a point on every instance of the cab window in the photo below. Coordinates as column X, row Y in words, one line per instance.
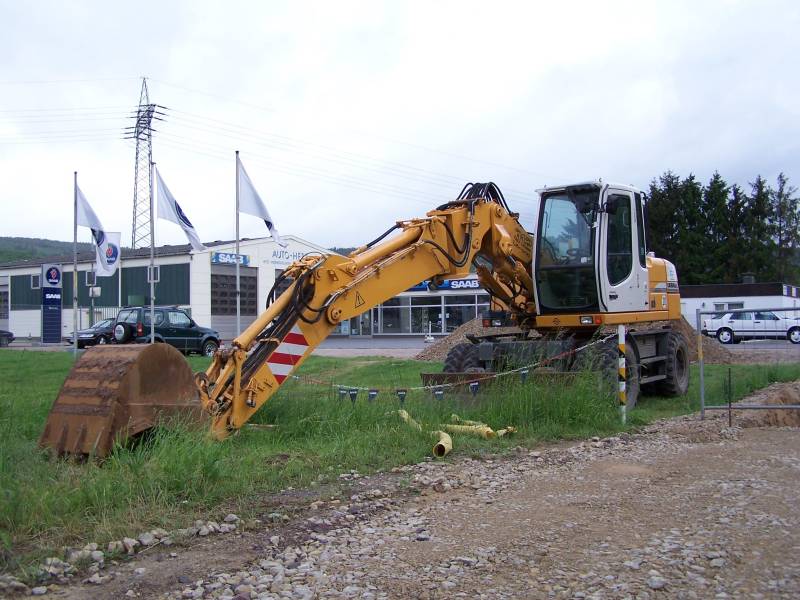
column 620, row 239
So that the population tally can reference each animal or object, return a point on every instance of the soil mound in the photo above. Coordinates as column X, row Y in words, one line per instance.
column 713, row 351
column 439, row 349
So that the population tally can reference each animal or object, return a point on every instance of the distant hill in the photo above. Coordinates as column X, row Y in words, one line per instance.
column 22, row 248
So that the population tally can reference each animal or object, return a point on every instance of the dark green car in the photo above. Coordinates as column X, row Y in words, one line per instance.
column 172, row 326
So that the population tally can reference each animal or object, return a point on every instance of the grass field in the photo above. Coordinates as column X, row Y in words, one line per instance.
column 178, row 475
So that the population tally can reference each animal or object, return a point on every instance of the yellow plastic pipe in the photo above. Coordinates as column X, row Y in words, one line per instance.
column 407, row 418
column 483, row 431
column 454, row 418
column 443, row 446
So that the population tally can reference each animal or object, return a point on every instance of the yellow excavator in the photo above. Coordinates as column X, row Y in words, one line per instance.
column 584, row 269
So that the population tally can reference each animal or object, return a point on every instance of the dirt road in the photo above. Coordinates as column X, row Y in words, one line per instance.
column 682, row 510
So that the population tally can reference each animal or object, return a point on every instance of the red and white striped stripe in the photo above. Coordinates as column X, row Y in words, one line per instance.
column 287, row 354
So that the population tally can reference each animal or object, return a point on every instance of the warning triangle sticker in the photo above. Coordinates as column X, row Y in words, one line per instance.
column 359, row 300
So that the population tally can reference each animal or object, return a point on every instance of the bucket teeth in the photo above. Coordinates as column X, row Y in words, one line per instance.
column 114, row 392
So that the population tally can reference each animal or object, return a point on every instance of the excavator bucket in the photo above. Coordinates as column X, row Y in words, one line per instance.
column 114, row 392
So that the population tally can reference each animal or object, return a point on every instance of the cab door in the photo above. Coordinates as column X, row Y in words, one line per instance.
column 622, row 270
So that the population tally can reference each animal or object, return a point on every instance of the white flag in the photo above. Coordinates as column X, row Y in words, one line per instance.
column 169, row 209
column 250, row 203
column 107, row 248
column 108, row 254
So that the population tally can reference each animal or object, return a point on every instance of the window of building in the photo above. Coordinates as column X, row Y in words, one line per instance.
column 3, row 305
column 35, row 282
column 223, row 294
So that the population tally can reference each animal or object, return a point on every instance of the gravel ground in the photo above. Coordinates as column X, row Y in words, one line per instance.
column 683, row 509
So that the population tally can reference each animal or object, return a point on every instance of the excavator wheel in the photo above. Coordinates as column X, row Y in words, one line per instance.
column 114, row 392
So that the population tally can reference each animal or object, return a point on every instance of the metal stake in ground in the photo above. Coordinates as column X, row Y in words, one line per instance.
column 621, row 375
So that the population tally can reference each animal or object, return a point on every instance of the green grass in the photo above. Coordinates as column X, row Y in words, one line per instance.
column 178, row 474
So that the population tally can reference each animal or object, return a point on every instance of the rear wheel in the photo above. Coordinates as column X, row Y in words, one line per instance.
column 462, row 358
column 794, row 335
column 209, row 347
column 677, row 366
column 725, row 336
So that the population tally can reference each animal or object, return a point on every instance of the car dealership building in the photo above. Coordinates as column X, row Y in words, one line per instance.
column 204, row 283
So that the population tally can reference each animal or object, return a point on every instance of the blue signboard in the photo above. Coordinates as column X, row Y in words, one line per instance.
column 229, row 258
column 449, row 284
column 51, row 304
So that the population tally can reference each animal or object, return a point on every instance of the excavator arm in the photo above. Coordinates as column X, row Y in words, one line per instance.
column 325, row 290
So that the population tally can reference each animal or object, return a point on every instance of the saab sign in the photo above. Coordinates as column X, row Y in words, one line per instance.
column 450, row 284
column 229, row 258
column 51, row 304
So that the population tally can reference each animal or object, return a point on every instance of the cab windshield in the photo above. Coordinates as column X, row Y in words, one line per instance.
column 565, row 251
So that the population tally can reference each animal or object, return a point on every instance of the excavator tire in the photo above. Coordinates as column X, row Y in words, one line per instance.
column 603, row 359
column 462, row 358
column 677, row 366
column 114, row 392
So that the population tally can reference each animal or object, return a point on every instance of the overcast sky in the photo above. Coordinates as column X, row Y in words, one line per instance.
column 350, row 115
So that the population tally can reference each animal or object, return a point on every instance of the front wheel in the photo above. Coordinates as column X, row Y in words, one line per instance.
column 725, row 336
column 794, row 335
column 209, row 347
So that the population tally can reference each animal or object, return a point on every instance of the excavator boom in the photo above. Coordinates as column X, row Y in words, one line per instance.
column 328, row 289
column 113, row 392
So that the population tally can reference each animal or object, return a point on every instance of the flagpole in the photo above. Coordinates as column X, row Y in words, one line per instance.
column 152, row 261
column 238, row 289
column 75, row 264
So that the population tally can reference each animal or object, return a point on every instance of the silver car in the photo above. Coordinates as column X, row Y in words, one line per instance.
column 731, row 328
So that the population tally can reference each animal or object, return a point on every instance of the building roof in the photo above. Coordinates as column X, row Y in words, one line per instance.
column 160, row 252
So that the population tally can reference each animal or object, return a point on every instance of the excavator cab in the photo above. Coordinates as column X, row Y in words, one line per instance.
column 590, row 253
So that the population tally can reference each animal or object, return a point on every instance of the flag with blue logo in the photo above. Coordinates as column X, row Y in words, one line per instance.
column 106, row 243
column 169, row 209
column 251, row 203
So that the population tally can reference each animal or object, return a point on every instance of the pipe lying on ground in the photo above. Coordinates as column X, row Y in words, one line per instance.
column 483, row 431
column 410, row 421
column 454, row 418
column 443, row 446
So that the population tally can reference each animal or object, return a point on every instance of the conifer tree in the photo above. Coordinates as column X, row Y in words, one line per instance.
column 662, row 227
column 692, row 255
column 785, row 222
column 719, row 230
column 758, row 234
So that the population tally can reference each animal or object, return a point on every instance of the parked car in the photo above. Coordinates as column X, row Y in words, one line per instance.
column 731, row 328
column 6, row 337
column 101, row 332
column 172, row 326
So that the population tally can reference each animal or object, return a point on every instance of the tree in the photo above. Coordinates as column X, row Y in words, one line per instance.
column 785, row 221
column 733, row 252
column 692, row 256
column 716, row 213
column 758, row 234
column 661, row 208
